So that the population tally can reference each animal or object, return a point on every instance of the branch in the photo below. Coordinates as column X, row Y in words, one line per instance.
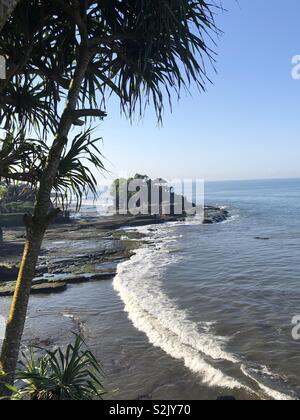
column 74, row 13
column 78, row 123
column 84, row 113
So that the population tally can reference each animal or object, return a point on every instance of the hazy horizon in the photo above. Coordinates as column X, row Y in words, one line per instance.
column 105, row 183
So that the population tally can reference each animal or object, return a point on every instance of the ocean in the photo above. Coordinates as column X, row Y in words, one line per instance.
column 200, row 311
column 221, row 298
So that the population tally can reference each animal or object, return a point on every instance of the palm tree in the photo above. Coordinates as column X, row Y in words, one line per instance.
column 6, row 8
column 79, row 52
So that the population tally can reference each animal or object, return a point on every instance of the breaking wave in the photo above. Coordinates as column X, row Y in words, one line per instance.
column 140, row 286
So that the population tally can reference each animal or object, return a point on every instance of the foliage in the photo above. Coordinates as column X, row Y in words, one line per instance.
column 73, row 375
column 21, row 158
column 24, row 159
column 75, row 178
column 2, row 381
column 78, row 53
column 3, row 191
column 123, row 190
column 139, row 51
column 16, row 198
column 119, row 183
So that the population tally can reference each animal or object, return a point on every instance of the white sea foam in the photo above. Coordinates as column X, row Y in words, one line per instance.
column 172, row 345
column 139, row 285
column 231, row 219
column 269, row 392
column 140, row 281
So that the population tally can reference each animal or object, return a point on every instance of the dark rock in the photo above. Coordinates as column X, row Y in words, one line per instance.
column 43, row 288
column 8, row 273
column 261, row 238
column 47, row 288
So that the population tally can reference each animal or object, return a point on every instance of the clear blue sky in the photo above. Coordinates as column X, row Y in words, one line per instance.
column 247, row 124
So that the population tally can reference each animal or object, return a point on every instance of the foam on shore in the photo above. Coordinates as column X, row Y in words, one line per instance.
column 139, row 283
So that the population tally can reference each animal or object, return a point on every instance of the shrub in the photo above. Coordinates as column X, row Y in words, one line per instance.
column 73, row 375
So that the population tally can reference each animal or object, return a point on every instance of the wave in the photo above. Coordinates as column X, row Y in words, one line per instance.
column 139, row 283
column 270, row 392
column 231, row 219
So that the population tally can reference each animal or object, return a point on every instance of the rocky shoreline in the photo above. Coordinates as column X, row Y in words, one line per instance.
column 86, row 250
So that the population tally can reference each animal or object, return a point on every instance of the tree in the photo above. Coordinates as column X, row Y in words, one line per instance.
column 79, row 52
column 6, row 8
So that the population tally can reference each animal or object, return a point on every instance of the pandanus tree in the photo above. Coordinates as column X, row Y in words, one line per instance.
column 64, row 58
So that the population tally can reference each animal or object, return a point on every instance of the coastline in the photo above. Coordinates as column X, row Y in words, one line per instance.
column 134, row 320
column 94, row 309
column 86, row 250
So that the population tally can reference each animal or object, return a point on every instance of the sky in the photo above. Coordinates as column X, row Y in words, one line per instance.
column 245, row 126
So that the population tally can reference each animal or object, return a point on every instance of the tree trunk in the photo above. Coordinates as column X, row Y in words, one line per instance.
column 6, row 8
column 18, row 311
column 36, row 227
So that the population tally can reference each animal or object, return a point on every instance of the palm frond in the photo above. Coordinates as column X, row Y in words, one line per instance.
column 145, row 52
column 76, row 178
column 21, row 158
column 71, row 375
column 157, row 47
